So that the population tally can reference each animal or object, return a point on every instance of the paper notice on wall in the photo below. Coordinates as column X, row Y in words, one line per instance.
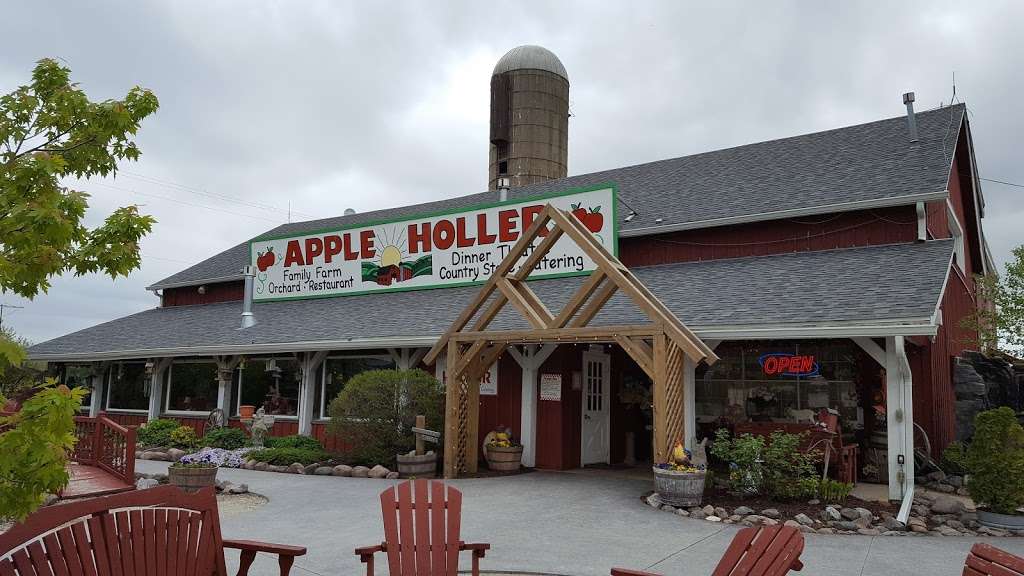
column 551, row 387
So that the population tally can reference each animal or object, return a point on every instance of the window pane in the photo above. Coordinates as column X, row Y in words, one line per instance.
column 340, row 370
column 193, row 387
column 128, row 387
column 79, row 376
column 277, row 391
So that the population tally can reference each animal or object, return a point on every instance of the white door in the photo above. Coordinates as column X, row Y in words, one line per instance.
column 596, row 412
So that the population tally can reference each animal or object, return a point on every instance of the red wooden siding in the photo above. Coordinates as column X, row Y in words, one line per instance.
column 505, row 409
column 217, row 292
column 842, row 230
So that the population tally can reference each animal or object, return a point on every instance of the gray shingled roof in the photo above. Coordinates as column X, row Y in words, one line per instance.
column 872, row 162
column 898, row 283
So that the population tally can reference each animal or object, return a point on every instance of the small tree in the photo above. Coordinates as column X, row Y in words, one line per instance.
column 999, row 318
column 374, row 412
column 34, row 444
column 995, row 460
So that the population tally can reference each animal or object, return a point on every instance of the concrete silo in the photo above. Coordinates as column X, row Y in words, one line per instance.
column 529, row 117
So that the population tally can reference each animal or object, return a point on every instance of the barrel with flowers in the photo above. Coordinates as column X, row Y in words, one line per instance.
column 502, row 452
column 679, row 482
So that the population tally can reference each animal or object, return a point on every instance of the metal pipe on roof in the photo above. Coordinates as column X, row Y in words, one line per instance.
column 908, row 99
column 248, row 318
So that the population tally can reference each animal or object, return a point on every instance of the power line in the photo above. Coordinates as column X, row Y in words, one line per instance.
column 216, row 195
column 1004, row 182
column 4, row 306
column 186, row 202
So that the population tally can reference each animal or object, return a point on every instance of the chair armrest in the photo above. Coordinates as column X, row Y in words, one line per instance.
column 627, row 572
column 479, row 549
column 254, row 546
column 368, row 551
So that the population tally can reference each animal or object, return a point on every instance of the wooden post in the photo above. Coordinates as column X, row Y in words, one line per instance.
column 689, row 406
column 472, row 376
column 421, row 422
column 451, row 415
column 660, row 398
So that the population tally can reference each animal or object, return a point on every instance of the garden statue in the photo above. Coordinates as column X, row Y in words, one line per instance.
column 261, row 424
column 699, row 458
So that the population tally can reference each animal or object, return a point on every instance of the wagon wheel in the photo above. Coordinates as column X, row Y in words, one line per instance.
column 216, row 419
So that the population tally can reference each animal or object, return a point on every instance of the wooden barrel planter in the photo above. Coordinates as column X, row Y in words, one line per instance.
column 680, row 489
column 192, row 479
column 422, row 466
column 504, row 459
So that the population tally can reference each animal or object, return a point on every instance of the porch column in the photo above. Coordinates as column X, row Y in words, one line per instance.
column 530, row 360
column 225, row 369
column 158, row 367
column 689, row 403
column 309, row 362
column 97, row 377
column 407, row 358
column 899, row 414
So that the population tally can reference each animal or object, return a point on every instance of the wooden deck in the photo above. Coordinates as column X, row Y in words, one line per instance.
column 92, row 481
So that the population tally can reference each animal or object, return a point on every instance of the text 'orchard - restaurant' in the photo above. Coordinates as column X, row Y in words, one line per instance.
column 828, row 273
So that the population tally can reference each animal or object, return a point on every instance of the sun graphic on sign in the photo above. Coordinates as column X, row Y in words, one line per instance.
column 393, row 264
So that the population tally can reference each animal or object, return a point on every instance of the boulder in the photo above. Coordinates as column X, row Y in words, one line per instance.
column 392, row 475
column 225, row 486
column 772, row 513
column 275, row 468
column 261, row 466
column 154, row 455
column 174, row 454
column 708, row 510
column 807, row 529
column 990, row 531
column 378, row 472
column 955, row 481
column 849, row 514
column 323, row 471
column 947, row 531
column 944, row 488
column 937, row 476
column 826, row 531
column 893, row 525
column 846, row 525
column 813, row 502
column 753, row 519
column 868, row 531
column 360, row 472
column 311, row 468
column 743, row 511
column 238, row 489
column 791, row 523
column 830, row 514
column 342, row 470
column 947, row 505
column 721, row 512
column 863, row 522
column 144, row 483
column 297, row 468
column 956, row 525
column 654, row 500
column 864, row 513
column 803, row 519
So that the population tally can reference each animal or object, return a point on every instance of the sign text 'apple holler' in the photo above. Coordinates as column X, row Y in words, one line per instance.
column 431, row 251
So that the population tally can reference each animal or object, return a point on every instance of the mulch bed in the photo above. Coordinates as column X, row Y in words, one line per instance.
column 721, row 497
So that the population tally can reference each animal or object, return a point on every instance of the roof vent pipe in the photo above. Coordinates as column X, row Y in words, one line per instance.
column 908, row 99
column 503, row 184
column 248, row 319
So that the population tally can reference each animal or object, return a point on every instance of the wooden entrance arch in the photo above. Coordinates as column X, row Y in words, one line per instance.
column 658, row 346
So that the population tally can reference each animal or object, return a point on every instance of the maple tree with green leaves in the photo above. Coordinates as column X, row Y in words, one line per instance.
column 998, row 321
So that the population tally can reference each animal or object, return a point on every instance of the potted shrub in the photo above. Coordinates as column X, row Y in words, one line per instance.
column 502, row 452
column 678, row 482
column 995, row 460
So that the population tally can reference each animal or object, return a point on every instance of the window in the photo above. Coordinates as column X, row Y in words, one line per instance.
column 79, row 376
column 128, row 389
column 272, row 384
column 191, row 387
column 337, row 371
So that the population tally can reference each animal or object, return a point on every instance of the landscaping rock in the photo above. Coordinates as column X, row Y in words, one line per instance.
column 791, row 523
column 275, row 468
column 947, row 505
column 863, row 522
column 955, row 481
column 864, row 513
column 682, row 512
column 261, row 466
column 753, row 519
column 654, row 500
column 311, row 468
column 342, row 470
column 937, row 476
column 849, row 514
column 144, row 483
column 846, row 525
column 698, row 515
column 225, row 486
column 813, row 502
column 174, row 454
column 378, row 472
column 721, row 512
column 668, row 508
column 963, row 491
column 713, row 519
column 947, row 531
column 956, row 525
column 772, row 513
column 297, row 468
column 830, row 514
column 708, row 510
column 803, row 519
column 153, row 455
column 826, row 531
column 323, row 471
column 869, row 532
column 360, row 472
column 893, row 525
column 239, row 489
column 945, row 488
column 990, row 531
column 769, row 521
column 735, row 518
column 392, row 475
column 743, row 511
column 807, row 529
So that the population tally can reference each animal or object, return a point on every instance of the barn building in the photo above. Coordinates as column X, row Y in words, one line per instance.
column 827, row 271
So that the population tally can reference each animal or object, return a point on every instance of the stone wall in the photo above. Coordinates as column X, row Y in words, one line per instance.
column 980, row 383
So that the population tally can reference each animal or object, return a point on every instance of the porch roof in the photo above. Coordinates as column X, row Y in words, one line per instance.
column 846, row 292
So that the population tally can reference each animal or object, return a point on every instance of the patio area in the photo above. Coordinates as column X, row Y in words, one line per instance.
column 575, row 523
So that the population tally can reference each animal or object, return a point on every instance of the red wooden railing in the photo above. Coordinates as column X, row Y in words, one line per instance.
column 105, row 444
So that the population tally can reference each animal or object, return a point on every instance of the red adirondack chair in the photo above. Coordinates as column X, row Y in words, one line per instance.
column 986, row 560
column 421, row 531
column 760, row 550
column 161, row 531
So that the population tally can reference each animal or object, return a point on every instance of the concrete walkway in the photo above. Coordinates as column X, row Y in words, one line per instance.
column 548, row 522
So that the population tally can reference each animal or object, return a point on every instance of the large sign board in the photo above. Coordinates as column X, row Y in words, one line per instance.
column 431, row 251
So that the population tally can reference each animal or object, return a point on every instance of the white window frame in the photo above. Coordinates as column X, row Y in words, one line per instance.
column 241, row 382
column 110, row 387
column 64, row 380
column 167, row 389
column 323, row 376
column 957, row 232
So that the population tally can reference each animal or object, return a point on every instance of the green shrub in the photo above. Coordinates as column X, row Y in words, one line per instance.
column 226, row 438
column 776, row 467
column 834, row 492
column 184, row 437
column 287, row 456
column 157, row 432
column 375, row 410
column 296, row 441
column 995, row 460
column 954, row 459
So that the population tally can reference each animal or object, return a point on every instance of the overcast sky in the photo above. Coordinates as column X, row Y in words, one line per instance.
column 323, row 106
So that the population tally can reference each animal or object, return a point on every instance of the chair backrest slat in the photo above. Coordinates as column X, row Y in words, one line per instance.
column 421, row 528
column 388, row 507
column 987, row 560
column 761, row 551
column 423, row 542
column 438, row 554
column 156, row 532
column 454, row 509
column 407, row 540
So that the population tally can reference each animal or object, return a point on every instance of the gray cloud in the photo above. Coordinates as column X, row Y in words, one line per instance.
column 328, row 105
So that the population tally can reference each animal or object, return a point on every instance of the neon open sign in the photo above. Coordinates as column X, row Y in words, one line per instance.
column 786, row 364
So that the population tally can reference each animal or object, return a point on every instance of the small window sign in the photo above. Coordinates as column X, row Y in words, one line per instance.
column 551, row 387
column 786, row 364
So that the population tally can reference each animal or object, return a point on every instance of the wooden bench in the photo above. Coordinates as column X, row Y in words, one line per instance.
column 760, row 550
column 161, row 531
column 986, row 560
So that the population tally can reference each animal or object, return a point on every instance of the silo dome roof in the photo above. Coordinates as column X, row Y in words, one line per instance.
column 530, row 57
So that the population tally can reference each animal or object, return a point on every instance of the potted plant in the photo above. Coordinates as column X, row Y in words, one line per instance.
column 679, row 482
column 193, row 472
column 246, row 411
column 502, row 452
column 995, row 460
